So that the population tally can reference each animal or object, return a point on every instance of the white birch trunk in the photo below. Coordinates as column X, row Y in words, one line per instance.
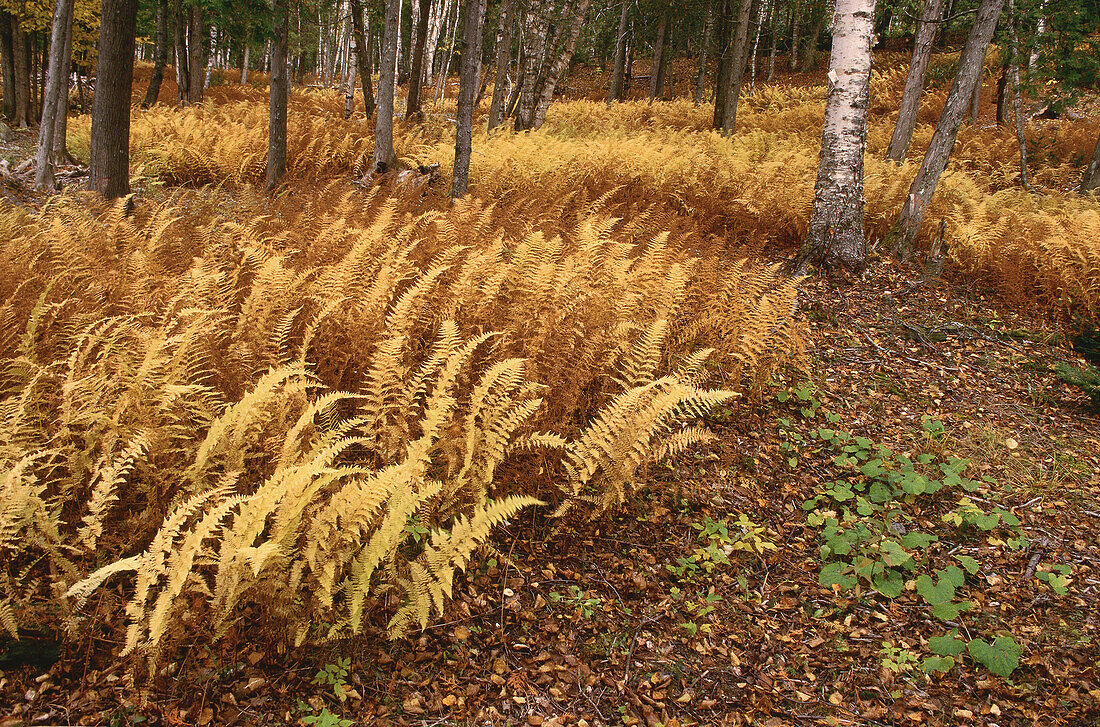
column 835, row 235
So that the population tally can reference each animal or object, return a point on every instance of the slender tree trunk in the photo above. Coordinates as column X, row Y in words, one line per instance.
column 383, row 128
column 277, row 99
column 51, row 97
column 835, row 237
column 7, row 61
column 1090, row 181
column 194, row 56
column 904, row 233
column 440, row 12
column 21, row 90
column 445, row 70
column 927, row 27
column 618, row 72
column 160, row 55
column 538, row 23
column 1003, row 97
column 725, row 32
column 467, row 92
column 565, row 55
column 657, row 74
column 362, row 56
column 503, row 62
column 796, row 29
column 416, row 69
column 773, row 36
column 179, row 31
column 738, row 60
column 704, row 46
column 244, row 63
column 108, row 170
column 1040, row 29
column 1017, row 104
column 60, row 152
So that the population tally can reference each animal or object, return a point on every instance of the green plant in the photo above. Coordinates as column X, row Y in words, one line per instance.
column 699, row 609
column 336, row 676
column 325, row 718
column 897, row 659
column 578, row 600
column 1086, row 379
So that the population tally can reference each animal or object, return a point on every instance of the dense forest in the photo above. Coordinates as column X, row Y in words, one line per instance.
column 550, row 362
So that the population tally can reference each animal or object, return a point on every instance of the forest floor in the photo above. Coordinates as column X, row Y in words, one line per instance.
column 651, row 618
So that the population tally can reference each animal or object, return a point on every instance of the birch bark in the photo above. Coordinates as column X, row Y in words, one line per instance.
column 835, row 237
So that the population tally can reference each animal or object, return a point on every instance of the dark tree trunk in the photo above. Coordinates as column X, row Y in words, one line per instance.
column 976, row 97
column 657, row 73
column 618, row 72
column 467, row 95
column 21, row 90
column 773, row 38
column 1003, row 95
column 739, row 52
column 1090, row 182
column 416, row 68
column 724, row 30
column 362, row 56
column 7, row 63
column 927, row 27
column 194, row 56
column 504, row 61
column 55, row 86
column 704, row 46
column 179, row 34
column 904, row 233
column 108, row 169
column 277, row 99
column 160, row 57
column 383, row 127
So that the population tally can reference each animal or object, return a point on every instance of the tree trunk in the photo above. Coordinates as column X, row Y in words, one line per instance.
column 244, row 63
column 277, row 98
column 927, row 27
column 1003, row 97
column 565, row 55
column 1017, row 104
column 618, row 73
column 467, row 93
column 440, row 12
column 503, row 62
column 809, row 54
column 108, row 169
column 704, row 46
column 51, row 97
column 725, row 32
column 179, row 31
column 21, row 90
column 1090, row 181
column 160, row 55
column 194, row 56
column 773, row 38
column 362, row 56
column 796, row 28
column 538, row 23
column 1040, row 29
column 738, row 60
column 835, row 237
column 445, row 70
column 416, row 69
column 383, row 128
column 657, row 74
column 904, row 233
column 976, row 97
column 60, row 152
column 7, row 63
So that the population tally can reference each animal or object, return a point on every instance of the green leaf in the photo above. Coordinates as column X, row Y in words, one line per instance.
column 880, row 493
column 946, row 645
column 837, row 573
column 969, row 563
column 889, row 583
column 1001, row 657
column 893, row 554
column 935, row 592
column 950, row 611
column 939, row 664
column 917, row 539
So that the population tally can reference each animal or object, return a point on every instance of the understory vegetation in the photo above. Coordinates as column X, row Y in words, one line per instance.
column 306, row 415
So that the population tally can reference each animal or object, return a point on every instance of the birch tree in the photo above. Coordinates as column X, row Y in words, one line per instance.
column 1090, row 182
column 467, row 95
column 835, row 237
column 277, row 96
column 903, row 235
column 928, row 26
column 503, row 63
